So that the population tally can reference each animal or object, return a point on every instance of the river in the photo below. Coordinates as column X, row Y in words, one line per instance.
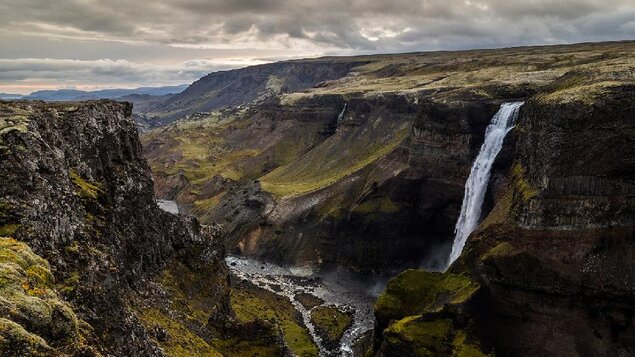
column 339, row 287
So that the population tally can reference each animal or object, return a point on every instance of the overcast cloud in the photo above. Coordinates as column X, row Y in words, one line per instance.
column 105, row 43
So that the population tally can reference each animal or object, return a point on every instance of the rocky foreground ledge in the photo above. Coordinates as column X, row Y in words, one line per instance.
column 89, row 265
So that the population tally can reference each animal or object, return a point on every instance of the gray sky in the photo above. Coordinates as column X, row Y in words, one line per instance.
column 90, row 44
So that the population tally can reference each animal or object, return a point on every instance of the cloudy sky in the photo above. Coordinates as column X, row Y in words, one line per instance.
column 90, row 44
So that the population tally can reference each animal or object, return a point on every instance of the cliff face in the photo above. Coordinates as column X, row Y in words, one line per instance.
column 237, row 87
column 77, row 192
column 366, row 170
column 552, row 259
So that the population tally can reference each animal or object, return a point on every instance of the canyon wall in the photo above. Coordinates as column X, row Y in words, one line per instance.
column 83, row 240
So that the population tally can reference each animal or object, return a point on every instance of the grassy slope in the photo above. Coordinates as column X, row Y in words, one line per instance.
column 231, row 146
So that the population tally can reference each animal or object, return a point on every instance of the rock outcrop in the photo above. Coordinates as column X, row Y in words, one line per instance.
column 82, row 237
column 553, row 256
column 367, row 170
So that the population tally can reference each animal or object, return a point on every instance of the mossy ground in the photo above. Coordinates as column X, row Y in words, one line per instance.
column 308, row 301
column 250, row 303
column 380, row 204
column 337, row 157
column 430, row 337
column 416, row 292
column 85, row 189
column 424, row 338
column 13, row 118
column 185, row 313
column 181, row 341
column 35, row 321
column 330, row 322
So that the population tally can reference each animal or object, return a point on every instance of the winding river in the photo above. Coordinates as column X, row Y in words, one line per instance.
column 339, row 287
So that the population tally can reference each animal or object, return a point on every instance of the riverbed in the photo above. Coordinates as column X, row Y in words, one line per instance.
column 346, row 290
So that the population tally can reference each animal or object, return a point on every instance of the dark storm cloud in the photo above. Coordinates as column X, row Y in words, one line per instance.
column 158, row 32
column 324, row 23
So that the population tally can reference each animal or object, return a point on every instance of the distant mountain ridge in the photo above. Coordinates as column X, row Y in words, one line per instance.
column 73, row 94
column 10, row 96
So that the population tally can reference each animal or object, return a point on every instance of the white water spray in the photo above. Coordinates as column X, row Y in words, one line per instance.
column 476, row 185
column 340, row 117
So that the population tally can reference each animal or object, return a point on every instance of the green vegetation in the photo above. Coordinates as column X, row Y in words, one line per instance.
column 253, row 303
column 181, row 341
column 424, row 338
column 192, row 299
column 464, row 348
column 308, row 301
column 34, row 319
column 501, row 249
column 7, row 230
column 379, row 204
column 337, row 157
column 86, row 189
column 16, row 341
column 430, row 337
column 520, row 183
column 330, row 323
column 415, row 292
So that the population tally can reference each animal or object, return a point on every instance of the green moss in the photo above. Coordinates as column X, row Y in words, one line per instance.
column 249, row 304
column 72, row 249
column 15, row 341
column 502, row 249
column 86, row 189
column 520, row 183
column 307, row 300
column 423, row 338
column 181, row 342
column 462, row 347
column 192, row 296
column 16, row 122
column 28, row 298
column 336, row 158
column 380, row 205
column 8, row 230
column 330, row 322
column 416, row 292
column 69, row 284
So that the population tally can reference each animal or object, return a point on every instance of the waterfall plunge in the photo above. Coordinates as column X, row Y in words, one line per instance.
column 476, row 185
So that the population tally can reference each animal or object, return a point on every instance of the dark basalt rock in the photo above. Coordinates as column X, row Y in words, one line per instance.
column 553, row 255
column 77, row 190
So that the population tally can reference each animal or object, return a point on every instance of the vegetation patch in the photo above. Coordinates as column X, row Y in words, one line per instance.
column 337, row 157
column 420, row 337
column 500, row 250
column 416, row 292
column 330, row 323
column 34, row 319
column 179, row 341
column 307, row 300
column 377, row 205
column 521, row 185
column 251, row 303
column 86, row 189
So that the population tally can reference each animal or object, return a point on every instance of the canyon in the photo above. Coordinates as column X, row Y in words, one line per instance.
column 277, row 180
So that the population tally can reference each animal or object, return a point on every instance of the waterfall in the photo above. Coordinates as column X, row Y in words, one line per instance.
column 340, row 117
column 476, row 185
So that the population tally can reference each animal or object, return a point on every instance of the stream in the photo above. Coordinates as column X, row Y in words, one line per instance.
column 348, row 291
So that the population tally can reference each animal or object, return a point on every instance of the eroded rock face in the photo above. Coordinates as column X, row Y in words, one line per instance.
column 553, row 256
column 367, row 169
column 77, row 190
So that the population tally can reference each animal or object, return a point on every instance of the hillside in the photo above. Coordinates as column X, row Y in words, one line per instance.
column 367, row 171
column 89, row 264
column 307, row 175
